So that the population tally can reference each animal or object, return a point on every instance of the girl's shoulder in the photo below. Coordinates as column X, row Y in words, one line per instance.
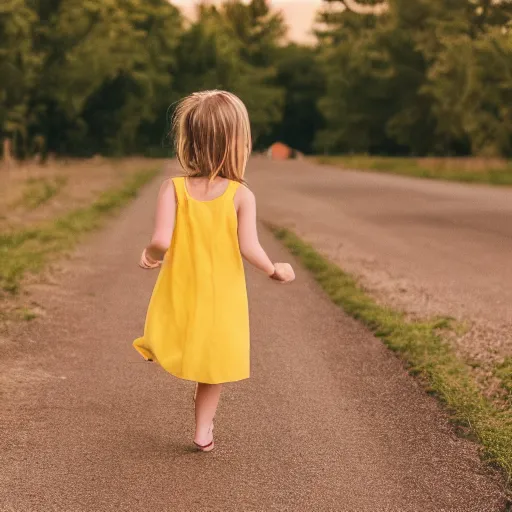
column 243, row 191
column 244, row 196
column 167, row 189
column 168, row 183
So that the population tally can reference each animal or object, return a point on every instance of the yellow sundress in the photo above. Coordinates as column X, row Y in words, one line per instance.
column 197, row 324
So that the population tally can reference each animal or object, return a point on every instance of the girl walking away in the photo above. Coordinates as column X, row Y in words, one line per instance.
column 197, row 324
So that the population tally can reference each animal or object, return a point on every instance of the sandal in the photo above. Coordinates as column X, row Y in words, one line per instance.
column 206, row 447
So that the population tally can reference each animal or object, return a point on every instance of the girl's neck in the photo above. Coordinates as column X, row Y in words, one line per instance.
column 204, row 189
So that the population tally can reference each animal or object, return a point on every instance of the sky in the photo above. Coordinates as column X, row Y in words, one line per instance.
column 298, row 14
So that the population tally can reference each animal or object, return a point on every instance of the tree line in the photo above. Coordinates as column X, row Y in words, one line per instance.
column 402, row 77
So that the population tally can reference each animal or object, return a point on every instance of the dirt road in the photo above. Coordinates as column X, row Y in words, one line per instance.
column 329, row 420
column 427, row 246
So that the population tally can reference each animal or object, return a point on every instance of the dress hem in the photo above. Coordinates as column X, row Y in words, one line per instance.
column 148, row 356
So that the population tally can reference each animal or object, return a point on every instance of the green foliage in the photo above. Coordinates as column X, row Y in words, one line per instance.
column 300, row 75
column 421, row 78
column 421, row 345
column 258, row 29
column 20, row 64
column 83, row 77
column 471, row 84
column 107, row 70
column 504, row 372
column 234, row 47
column 97, row 76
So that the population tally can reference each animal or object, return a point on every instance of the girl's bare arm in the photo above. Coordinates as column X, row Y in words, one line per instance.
column 164, row 224
column 250, row 247
column 248, row 241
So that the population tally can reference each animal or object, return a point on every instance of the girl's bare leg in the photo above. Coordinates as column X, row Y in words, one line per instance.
column 207, row 399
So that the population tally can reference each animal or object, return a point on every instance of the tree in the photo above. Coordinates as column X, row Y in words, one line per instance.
column 471, row 82
column 468, row 75
column 358, row 74
column 396, row 77
column 228, row 48
column 19, row 70
column 300, row 76
column 420, row 77
column 106, row 65
column 259, row 30
column 127, row 112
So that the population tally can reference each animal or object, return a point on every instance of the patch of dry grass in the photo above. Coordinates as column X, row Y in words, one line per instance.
column 45, row 210
column 39, row 191
column 29, row 249
column 33, row 193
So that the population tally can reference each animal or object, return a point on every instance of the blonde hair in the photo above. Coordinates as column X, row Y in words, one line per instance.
column 212, row 135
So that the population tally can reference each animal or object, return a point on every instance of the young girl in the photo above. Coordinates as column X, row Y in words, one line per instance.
column 197, row 324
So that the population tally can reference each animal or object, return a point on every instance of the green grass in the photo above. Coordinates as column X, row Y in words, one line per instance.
column 40, row 190
column 29, row 250
column 504, row 372
column 450, row 169
column 421, row 345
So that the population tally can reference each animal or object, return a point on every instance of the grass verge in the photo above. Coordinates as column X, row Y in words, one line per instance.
column 421, row 345
column 504, row 372
column 449, row 169
column 28, row 250
column 40, row 190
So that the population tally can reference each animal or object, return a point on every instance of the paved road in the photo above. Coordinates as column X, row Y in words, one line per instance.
column 449, row 244
column 329, row 421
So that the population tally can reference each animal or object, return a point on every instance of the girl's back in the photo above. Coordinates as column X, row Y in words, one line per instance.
column 197, row 325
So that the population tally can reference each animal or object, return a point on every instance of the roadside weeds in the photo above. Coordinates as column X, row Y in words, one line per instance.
column 29, row 250
column 422, row 345
column 469, row 170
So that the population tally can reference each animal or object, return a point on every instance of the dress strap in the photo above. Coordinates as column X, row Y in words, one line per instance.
column 179, row 187
column 231, row 191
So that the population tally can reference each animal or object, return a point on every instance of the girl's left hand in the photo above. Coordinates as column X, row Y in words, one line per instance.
column 148, row 263
column 283, row 272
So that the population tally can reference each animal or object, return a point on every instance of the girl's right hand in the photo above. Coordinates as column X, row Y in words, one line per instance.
column 147, row 262
column 283, row 272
